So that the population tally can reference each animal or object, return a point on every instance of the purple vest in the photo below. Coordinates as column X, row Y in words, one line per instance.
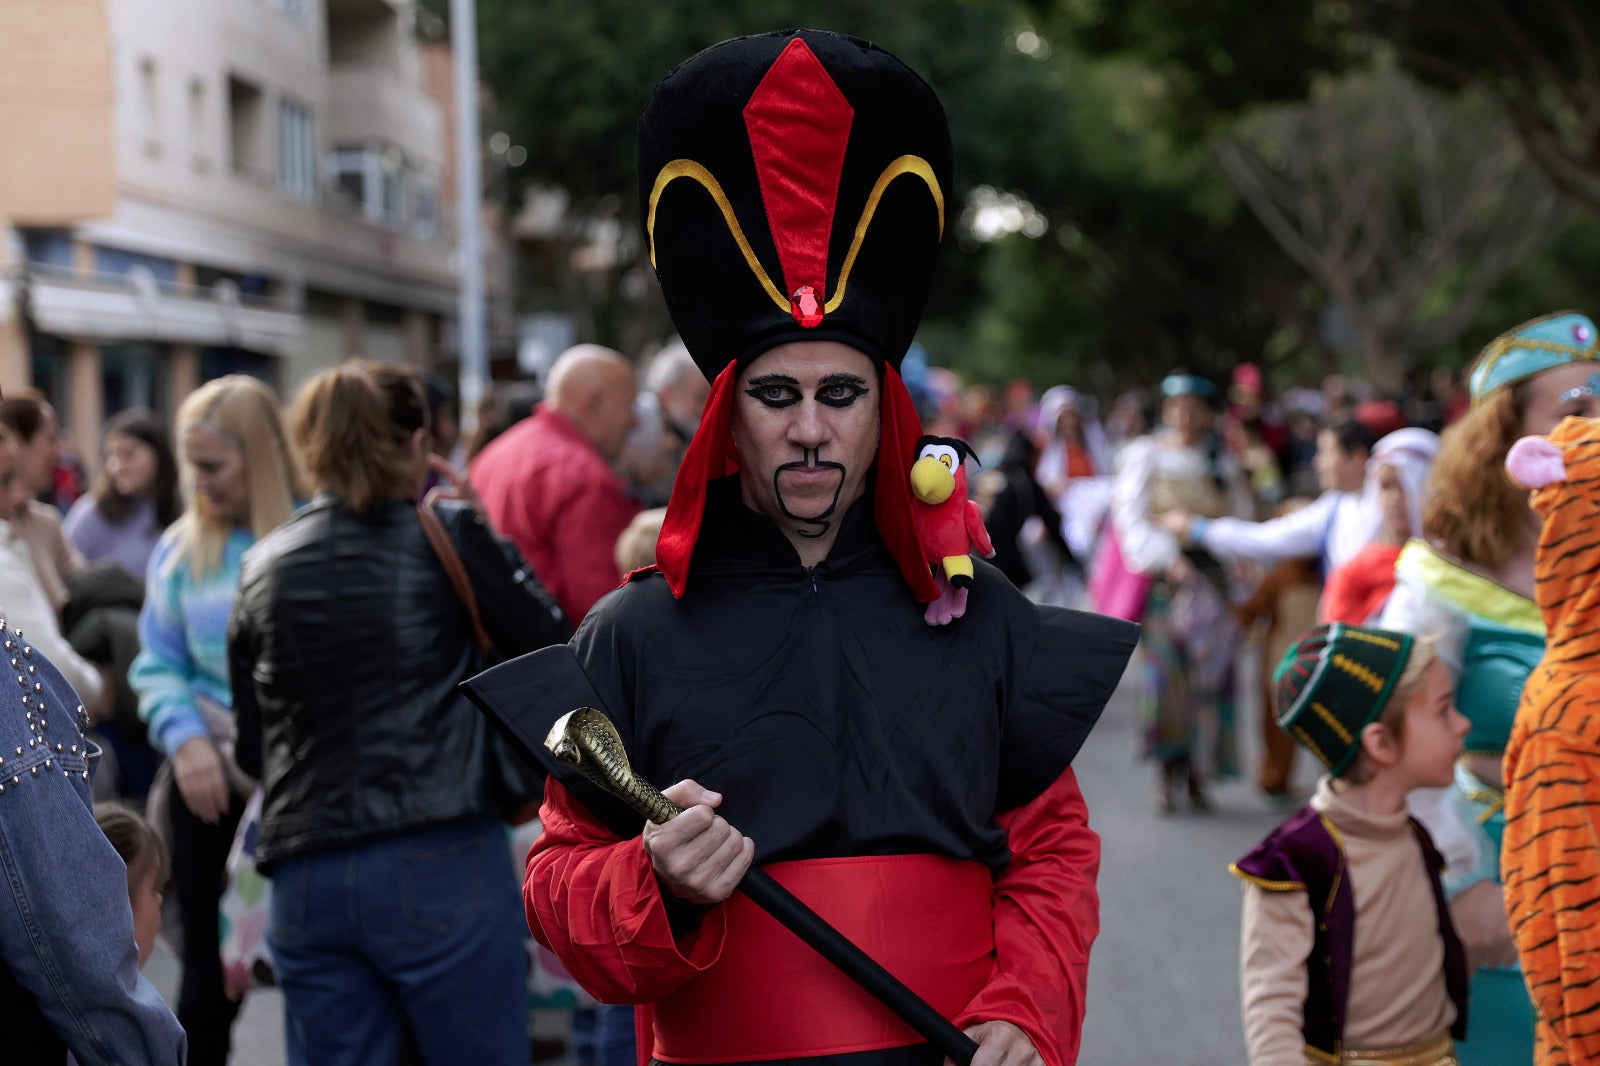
column 1301, row 852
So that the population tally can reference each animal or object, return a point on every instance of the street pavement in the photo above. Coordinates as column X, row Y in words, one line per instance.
column 1164, row 975
column 1163, row 980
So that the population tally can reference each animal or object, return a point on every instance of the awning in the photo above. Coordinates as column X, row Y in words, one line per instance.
column 101, row 311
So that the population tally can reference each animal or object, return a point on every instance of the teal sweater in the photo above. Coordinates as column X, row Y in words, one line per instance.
column 183, row 639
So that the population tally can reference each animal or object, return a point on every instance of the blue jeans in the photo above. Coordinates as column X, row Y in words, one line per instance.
column 614, row 1040
column 424, row 927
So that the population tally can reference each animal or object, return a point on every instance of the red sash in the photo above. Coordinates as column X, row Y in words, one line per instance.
column 928, row 920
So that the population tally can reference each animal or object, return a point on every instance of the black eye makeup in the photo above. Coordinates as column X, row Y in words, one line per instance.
column 778, row 391
column 840, row 390
column 774, row 390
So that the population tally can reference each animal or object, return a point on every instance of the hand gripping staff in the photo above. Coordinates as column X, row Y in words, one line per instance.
column 586, row 741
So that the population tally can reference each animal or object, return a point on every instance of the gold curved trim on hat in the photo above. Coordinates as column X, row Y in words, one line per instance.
column 907, row 164
column 914, row 165
column 688, row 168
column 1502, row 345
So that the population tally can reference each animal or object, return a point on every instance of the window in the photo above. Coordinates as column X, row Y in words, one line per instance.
column 119, row 263
column 246, row 140
column 48, row 247
column 424, row 206
column 199, row 150
column 133, row 374
column 373, row 181
column 149, row 107
column 297, row 151
column 391, row 165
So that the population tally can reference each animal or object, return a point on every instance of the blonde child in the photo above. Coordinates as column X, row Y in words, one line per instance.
column 1347, row 952
column 144, row 853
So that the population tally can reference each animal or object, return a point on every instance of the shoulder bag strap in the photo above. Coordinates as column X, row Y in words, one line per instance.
column 450, row 559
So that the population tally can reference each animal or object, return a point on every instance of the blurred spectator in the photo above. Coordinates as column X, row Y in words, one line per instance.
column 1018, row 406
column 1397, row 479
column 680, row 391
column 548, row 484
column 1128, row 419
column 503, row 406
column 137, row 497
column 1286, row 601
column 1381, row 417
column 144, row 853
column 444, row 413
column 33, row 421
column 1247, row 443
column 636, row 548
column 242, row 484
column 1300, row 453
column 650, row 452
column 1338, row 399
column 1450, row 394
column 680, row 387
column 1074, row 445
column 22, row 597
column 1247, row 403
column 393, row 903
column 1015, row 507
column 1331, row 529
column 68, row 479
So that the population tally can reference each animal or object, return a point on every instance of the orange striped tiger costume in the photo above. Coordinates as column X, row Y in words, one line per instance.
column 1550, row 861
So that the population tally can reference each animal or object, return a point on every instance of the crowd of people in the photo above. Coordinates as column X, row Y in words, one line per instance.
column 255, row 632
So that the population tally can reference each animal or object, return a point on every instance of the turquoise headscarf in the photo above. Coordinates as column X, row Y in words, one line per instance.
column 1533, row 347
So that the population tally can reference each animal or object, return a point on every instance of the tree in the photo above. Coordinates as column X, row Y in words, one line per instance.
column 1406, row 208
column 1537, row 61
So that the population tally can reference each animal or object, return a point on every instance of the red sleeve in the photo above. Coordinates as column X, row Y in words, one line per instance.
column 1046, row 915
column 585, row 539
column 594, row 901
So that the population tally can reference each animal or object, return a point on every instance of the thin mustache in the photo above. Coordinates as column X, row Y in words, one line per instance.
column 811, row 462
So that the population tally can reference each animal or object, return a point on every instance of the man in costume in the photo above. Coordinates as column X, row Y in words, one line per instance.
column 911, row 782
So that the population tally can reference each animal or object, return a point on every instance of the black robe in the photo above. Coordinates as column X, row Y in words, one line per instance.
column 833, row 719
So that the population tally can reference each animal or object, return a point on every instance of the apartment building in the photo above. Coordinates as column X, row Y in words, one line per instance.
column 190, row 188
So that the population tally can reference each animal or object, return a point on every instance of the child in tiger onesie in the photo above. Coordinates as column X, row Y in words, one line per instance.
column 1551, row 862
column 1347, row 951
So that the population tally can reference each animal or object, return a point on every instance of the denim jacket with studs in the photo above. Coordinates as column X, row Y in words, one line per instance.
column 69, row 965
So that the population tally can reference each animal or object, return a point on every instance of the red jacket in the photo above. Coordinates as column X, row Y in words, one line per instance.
column 548, row 489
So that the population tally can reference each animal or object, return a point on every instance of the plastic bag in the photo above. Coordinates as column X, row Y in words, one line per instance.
column 245, row 910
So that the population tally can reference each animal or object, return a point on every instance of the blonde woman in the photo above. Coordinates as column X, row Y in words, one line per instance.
column 240, row 483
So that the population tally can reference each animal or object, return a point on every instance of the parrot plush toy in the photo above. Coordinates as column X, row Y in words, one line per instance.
column 948, row 524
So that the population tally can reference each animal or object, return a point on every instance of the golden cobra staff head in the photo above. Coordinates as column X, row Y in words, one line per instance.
column 586, row 740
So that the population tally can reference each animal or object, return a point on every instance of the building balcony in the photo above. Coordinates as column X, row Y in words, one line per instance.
column 104, row 308
column 375, row 103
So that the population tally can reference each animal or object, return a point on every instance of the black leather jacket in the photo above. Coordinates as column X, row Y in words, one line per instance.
column 346, row 646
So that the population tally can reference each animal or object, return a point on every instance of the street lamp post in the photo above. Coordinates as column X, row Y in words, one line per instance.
column 472, row 338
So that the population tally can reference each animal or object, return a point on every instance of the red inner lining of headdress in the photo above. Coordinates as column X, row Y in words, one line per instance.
column 711, row 455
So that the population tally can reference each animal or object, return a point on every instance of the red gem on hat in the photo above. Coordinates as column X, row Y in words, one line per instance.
column 805, row 307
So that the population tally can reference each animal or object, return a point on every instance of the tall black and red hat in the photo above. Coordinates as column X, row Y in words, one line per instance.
column 793, row 187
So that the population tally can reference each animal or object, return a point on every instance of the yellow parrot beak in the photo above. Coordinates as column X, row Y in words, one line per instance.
column 931, row 480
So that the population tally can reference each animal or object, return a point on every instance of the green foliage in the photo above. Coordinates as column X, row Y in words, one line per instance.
column 1104, row 119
